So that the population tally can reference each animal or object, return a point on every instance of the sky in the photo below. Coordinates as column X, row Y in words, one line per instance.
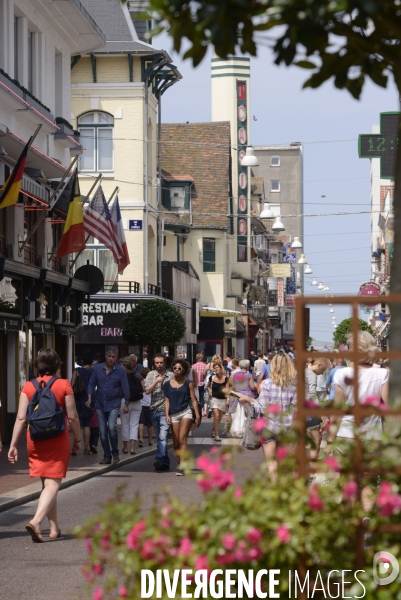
column 327, row 121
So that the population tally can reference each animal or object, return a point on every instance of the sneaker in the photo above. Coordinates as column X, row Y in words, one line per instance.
column 140, row 443
column 105, row 461
column 160, row 468
column 116, row 460
column 191, row 434
column 179, row 472
column 93, row 449
column 150, row 443
column 217, row 439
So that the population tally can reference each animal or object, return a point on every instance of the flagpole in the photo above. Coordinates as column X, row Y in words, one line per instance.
column 98, row 178
column 28, row 145
column 46, row 210
column 116, row 190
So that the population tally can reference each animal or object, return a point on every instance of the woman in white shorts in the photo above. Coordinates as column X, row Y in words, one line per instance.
column 180, row 397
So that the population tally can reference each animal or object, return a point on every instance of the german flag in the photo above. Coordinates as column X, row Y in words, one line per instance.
column 11, row 188
column 73, row 238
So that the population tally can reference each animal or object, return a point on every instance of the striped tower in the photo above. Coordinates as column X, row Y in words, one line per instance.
column 231, row 102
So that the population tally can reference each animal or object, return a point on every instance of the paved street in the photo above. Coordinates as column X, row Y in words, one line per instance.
column 51, row 571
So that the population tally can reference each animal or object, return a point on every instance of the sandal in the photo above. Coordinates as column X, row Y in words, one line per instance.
column 56, row 537
column 35, row 535
column 87, row 451
column 73, row 453
column 124, row 451
column 217, row 439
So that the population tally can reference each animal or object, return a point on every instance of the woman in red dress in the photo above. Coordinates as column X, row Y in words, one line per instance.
column 48, row 459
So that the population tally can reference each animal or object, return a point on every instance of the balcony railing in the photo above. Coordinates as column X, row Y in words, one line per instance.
column 154, row 290
column 127, row 287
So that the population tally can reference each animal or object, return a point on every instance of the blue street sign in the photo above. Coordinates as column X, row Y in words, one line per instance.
column 135, row 225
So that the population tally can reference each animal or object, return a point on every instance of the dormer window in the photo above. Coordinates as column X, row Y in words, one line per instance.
column 177, row 194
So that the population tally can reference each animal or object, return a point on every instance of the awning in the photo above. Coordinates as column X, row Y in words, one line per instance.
column 10, row 324
column 42, row 328
column 218, row 312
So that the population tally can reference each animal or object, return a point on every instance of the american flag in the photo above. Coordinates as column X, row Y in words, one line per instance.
column 98, row 222
column 118, row 224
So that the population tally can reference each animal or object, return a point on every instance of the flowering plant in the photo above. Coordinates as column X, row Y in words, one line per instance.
column 261, row 524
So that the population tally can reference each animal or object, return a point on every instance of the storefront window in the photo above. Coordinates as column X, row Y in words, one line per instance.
column 25, row 357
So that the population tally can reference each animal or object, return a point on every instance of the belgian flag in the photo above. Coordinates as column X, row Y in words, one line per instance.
column 73, row 238
column 11, row 188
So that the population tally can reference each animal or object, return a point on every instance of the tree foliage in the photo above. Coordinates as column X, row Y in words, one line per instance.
column 153, row 323
column 345, row 327
column 349, row 40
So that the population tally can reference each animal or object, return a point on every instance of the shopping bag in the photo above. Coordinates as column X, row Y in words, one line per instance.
column 250, row 439
column 238, row 422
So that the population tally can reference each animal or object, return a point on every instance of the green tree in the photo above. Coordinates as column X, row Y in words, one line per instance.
column 153, row 323
column 345, row 327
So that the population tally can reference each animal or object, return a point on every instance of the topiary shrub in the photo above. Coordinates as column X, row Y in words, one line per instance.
column 153, row 323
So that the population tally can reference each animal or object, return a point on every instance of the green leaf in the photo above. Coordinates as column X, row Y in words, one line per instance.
column 305, row 64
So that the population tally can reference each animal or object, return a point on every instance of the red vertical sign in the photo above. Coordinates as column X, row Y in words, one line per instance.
column 280, row 291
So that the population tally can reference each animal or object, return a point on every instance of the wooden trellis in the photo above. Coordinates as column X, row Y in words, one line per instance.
column 360, row 469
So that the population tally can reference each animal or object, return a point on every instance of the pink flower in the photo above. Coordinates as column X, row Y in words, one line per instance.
column 281, row 453
column 201, row 562
column 166, row 523
column 134, row 534
column 210, row 467
column 309, row 404
column 240, row 556
column 238, row 493
column 254, row 553
column 260, row 424
column 315, row 502
column 148, row 550
column 254, row 535
column 350, row 490
column 89, row 545
column 166, row 510
column 274, row 408
column 387, row 502
column 98, row 594
column 332, row 463
column 385, row 487
column 371, row 401
column 88, row 576
column 205, row 484
column 224, row 479
column 123, row 592
column 283, row 534
column 97, row 568
column 185, row 546
column 229, row 541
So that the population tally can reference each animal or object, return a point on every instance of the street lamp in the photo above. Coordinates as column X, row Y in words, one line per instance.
column 326, row 288
column 249, row 159
column 296, row 243
column 320, row 286
column 267, row 212
column 314, row 281
column 331, row 309
column 308, row 270
column 302, row 260
column 278, row 225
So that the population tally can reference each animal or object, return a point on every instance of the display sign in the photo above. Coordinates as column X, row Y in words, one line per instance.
column 369, row 289
column 280, row 291
column 383, row 145
column 280, row 270
column 242, row 211
column 277, row 334
column 135, row 225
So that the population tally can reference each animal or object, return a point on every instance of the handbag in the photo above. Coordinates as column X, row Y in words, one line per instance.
column 250, row 439
column 238, row 422
column 80, row 386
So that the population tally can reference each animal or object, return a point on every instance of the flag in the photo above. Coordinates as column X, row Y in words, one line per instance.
column 98, row 222
column 116, row 216
column 73, row 238
column 11, row 188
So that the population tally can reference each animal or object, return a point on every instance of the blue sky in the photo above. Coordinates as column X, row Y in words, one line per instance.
column 336, row 247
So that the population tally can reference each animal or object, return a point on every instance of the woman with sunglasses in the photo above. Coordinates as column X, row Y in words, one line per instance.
column 180, row 405
column 218, row 402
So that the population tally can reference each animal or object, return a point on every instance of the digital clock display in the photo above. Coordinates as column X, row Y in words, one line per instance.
column 383, row 145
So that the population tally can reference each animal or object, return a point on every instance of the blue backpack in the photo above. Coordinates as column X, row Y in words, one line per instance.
column 45, row 416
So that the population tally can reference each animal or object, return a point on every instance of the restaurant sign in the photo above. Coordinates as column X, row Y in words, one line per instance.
column 102, row 322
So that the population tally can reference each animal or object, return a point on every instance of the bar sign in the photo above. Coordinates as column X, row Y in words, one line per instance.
column 280, row 291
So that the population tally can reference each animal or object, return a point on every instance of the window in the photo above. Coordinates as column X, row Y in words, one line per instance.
column 30, row 61
column 16, row 48
column 274, row 185
column 96, row 131
column 209, row 255
column 274, row 161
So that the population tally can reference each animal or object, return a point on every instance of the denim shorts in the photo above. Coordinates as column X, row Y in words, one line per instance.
column 313, row 422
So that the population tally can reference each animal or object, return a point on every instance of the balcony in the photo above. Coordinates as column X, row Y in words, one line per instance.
column 154, row 290
column 288, row 328
column 122, row 287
